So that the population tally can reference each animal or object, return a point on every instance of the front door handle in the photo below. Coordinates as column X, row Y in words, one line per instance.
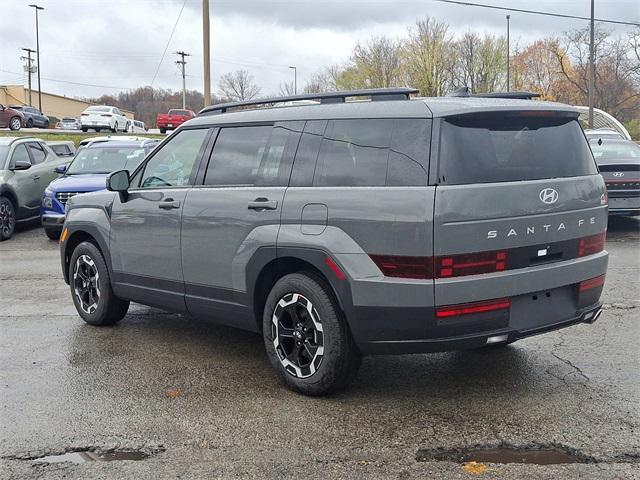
column 36, row 178
column 261, row 203
column 169, row 203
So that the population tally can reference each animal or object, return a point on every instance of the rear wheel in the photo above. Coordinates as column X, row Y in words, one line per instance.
column 7, row 218
column 163, row 130
column 114, row 129
column 30, row 123
column 15, row 123
column 91, row 289
column 307, row 340
column 84, row 129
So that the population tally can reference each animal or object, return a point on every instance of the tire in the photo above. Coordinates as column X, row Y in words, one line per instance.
column 126, row 128
column 15, row 123
column 336, row 359
column 30, row 123
column 115, row 128
column 163, row 130
column 7, row 218
column 107, row 309
column 46, row 125
column 84, row 129
column 52, row 233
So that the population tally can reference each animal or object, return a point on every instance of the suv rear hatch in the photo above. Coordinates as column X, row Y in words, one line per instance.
column 520, row 213
column 619, row 164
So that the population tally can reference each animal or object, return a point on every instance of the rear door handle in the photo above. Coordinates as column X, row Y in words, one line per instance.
column 169, row 203
column 262, row 203
column 36, row 178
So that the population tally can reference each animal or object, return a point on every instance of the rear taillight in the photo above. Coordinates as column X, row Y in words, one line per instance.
column 476, row 307
column 592, row 283
column 591, row 244
column 105, row 115
column 470, row 264
column 404, row 267
column 84, row 114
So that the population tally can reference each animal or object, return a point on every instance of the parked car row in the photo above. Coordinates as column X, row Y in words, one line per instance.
column 30, row 171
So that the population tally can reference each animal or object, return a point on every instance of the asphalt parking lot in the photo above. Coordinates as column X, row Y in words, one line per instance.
column 202, row 401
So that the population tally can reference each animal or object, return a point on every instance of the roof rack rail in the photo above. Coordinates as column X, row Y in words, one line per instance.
column 466, row 92
column 400, row 93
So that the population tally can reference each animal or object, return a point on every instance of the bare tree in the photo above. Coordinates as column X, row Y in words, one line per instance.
column 377, row 63
column 481, row 63
column 286, row 89
column 428, row 54
column 238, row 85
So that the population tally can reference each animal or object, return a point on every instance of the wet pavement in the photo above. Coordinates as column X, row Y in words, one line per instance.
column 188, row 399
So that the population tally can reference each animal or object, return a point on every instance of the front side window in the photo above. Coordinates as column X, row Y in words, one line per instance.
column 38, row 154
column 173, row 164
column 20, row 154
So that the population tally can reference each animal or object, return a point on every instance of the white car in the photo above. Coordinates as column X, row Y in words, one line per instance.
column 137, row 127
column 103, row 117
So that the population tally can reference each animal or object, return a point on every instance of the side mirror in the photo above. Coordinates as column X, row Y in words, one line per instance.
column 21, row 165
column 60, row 169
column 118, row 181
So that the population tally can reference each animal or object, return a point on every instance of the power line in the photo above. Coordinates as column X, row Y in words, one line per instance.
column 536, row 12
column 168, row 42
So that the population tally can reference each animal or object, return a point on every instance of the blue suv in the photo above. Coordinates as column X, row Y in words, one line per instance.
column 87, row 173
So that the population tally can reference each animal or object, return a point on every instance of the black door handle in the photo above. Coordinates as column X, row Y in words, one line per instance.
column 169, row 203
column 261, row 203
column 36, row 178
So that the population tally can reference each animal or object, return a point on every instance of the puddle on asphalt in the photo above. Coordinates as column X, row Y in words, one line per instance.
column 532, row 456
column 87, row 456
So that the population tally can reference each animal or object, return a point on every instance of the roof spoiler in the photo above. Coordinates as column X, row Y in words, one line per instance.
column 400, row 93
column 466, row 92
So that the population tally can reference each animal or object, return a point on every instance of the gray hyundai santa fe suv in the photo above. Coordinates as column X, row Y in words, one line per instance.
column 345, row 227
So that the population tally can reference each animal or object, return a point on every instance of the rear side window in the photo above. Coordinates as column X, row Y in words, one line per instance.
column 37, row 153
column 511, row 147
column 373, row 152
column 253, row 155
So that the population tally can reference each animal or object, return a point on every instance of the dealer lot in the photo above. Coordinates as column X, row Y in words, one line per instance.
column 202, row 401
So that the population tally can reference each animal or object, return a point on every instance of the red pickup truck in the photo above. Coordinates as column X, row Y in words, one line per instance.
column 173, row 119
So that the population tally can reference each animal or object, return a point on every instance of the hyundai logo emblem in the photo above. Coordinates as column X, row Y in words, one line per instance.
column 548, row 195
column 618, row 174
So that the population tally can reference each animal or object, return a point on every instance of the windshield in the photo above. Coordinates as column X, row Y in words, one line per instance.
column 490, row 148
column 106, row 160
column 615, row 152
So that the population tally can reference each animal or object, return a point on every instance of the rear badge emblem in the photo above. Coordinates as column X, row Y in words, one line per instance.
column 548, row 196
column 618, row 174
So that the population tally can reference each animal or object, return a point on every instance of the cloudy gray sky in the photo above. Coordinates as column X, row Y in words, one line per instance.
column 90, row 47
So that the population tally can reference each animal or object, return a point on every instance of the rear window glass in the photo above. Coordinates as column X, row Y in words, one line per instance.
column 184, row 113
column 510, row 148
column 99, row 109
column 615, row 152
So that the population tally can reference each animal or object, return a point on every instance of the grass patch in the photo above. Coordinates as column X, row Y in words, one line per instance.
column 76, row 138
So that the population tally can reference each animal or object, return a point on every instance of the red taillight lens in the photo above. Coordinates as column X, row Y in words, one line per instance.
column 592, row 244
column 476, row 307
column 592, row 283
column 470, row 264
column 84, row 114
column 404, row 267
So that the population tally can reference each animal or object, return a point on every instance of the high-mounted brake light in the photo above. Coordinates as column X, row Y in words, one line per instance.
column 476, row 307
column 592, row 283
column 591, row 244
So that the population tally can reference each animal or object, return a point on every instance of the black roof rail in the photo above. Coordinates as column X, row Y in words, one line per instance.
column 400, row 93
column 466, row 92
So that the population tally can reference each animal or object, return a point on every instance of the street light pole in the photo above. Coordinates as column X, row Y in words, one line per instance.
column 508, row 58
column 37, row 7
column 295, row 80
column 206, row 45
column 592, row 65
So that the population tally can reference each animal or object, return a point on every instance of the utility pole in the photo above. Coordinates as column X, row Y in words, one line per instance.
column 182, row 63
column 38, row 54
column 29, row 69
column 508, row 58
column 205, row 52
column 592, row 64
column 295, row 80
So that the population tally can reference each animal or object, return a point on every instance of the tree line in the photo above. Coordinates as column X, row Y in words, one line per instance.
column 434, row 60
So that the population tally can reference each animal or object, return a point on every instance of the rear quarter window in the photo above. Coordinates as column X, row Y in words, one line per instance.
column 511, row 147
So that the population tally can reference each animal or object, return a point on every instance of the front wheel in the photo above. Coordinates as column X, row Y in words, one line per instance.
column 30, row 123
column 91, row 289
column 306, row 338
column 7, row 218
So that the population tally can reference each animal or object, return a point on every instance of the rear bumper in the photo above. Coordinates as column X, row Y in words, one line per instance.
column 470, row 341
column 624, row 205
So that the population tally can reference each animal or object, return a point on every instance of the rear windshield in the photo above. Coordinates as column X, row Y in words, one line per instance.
column 184, row 113
column 99, row 109
column 106, row 160
column 615, row 152
column 511, row 147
